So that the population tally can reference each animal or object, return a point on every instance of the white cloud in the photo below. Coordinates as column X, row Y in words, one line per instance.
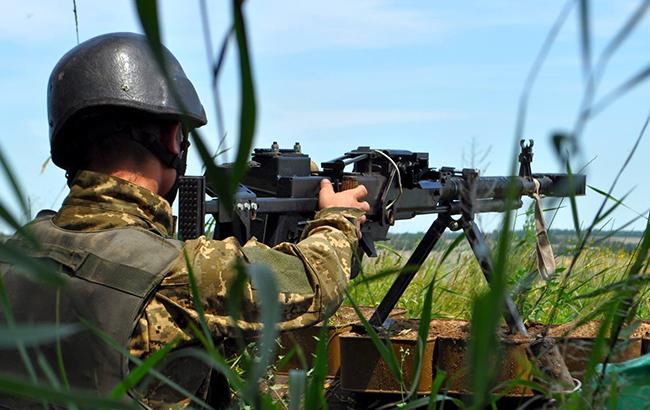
column 288, row 27
column 310, row 120
column 52, row 21
column 293, row 27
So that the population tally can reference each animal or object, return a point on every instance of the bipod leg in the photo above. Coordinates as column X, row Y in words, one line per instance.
column 482, row 253
column 408, row 271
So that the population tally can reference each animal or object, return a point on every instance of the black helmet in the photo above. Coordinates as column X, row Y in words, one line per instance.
column 116, row 70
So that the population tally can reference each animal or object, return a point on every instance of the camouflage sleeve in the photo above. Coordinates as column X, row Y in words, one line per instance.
column 311, row 276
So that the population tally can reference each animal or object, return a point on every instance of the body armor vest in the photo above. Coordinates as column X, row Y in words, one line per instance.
column 109, row 276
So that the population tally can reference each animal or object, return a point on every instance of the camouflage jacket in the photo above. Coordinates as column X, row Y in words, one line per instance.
column 311, row 275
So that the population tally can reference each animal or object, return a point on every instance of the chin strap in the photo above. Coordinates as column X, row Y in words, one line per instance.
column 169, row 159
column 178, row 162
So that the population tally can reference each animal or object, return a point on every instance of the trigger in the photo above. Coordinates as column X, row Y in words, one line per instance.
column 368, row 245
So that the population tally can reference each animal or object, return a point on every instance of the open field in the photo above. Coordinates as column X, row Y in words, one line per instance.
column 458, row 280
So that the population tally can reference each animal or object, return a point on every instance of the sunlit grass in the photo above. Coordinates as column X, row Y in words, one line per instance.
column 459, row 279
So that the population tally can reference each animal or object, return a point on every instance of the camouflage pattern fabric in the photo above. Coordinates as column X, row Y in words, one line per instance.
column 311, row 274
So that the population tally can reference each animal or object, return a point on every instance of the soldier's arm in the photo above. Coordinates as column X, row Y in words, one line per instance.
column 311, row 275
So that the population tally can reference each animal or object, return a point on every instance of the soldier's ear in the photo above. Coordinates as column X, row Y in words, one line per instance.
column 169, row 137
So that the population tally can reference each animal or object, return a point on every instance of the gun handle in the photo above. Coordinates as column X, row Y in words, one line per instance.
column 349, row 183
column 368, row 245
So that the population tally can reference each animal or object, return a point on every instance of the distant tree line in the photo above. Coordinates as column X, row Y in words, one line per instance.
column 563, row 240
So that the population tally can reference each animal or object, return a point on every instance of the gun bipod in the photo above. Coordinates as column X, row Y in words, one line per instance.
column 409, row 270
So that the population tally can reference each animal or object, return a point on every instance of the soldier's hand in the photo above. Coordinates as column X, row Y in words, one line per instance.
column 352, row 198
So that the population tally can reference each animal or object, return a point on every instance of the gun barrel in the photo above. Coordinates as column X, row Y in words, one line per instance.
column 556, row 185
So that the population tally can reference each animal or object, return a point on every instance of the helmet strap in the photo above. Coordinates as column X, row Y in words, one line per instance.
column 176, row 161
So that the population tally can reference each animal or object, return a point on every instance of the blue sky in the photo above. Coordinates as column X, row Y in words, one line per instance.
column 440, row 77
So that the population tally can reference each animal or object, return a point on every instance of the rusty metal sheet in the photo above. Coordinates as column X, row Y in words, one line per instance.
column 306, row 339
column 363, row 369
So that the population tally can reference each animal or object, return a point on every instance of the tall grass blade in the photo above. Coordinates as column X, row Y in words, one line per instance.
column 423, row 336
column 428, row 401
column 213, row 358
column 522, row 108
column 266, row 290
column 436, row 385
column 619, row 229
column 619, row 201
column 215, row 67
column 572, row 201
column 384, row 273
column 35, row 334
column 216, row 176
column 606, row 213
column 247, row 93
column 583, row 241
column 623, row 33
column 136, row 375
column 585, row 37
column 603, row 60
column 51, row 377
column 17, row 387
column 14, row 223
column 11, row 324
column 486, row 312
column 625, row 302
column 314, row 395
column 236, row 295
column 598, row 351
column 76, row 19
column 59, row 351
column 196, row 299
column 15, row 186
column 619, row 91
column 148, row 14
column 297, row 382
column 622, row 285
column 215, row 82
column 35, row 269
column 152, row 371
column 453, row 245
column 47, row 371
column 385, row 350
column 484, row 346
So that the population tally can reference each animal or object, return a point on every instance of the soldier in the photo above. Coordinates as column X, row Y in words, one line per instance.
column 120, row 135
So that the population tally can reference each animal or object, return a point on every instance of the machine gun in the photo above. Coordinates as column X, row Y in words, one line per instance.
column 279, row 195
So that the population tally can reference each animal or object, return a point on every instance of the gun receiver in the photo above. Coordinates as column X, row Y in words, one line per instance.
column 279, row 195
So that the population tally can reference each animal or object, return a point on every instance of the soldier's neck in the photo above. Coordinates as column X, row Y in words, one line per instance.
column 148, row 173
column 145, row 181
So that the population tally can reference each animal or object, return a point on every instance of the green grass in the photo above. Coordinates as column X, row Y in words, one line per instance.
column 458, row 280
